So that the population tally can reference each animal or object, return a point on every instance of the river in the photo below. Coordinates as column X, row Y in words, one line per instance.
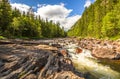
column 86, row 63
column 83, row 62
column 97, row 68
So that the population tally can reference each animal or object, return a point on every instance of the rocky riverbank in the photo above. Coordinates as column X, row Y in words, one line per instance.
column 21, row 59
column 102, row 48
column 42, row 59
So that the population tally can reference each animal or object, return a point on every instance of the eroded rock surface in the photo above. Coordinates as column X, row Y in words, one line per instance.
column 102, row 48
column 43, row 59
column 31, row 61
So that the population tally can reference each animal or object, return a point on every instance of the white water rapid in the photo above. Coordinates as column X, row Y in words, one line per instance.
column 85, row 62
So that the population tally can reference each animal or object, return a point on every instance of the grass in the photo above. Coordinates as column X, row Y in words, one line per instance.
column 115, row 38
column 2, row 37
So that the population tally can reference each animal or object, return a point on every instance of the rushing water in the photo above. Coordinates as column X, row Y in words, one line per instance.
column 85, row 62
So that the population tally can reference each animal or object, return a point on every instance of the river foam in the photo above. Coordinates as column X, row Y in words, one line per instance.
column 85, row 62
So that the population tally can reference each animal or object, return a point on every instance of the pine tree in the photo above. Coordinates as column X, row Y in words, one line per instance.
column 100, row 20
column 5, row 16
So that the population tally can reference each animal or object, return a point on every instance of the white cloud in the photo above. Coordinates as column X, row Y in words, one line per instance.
column 57, row 13
column 87, row 3
column 53, row 11
column 40, row 5
column 22, row 7
column 70, row 21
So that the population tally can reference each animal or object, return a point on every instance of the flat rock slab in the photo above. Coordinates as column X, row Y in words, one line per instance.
column 23, row 61
column 46, row 47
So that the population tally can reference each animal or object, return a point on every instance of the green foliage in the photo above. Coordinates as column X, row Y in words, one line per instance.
column 100, row 20
column 26, row 25
column 1, row 37
column 110, row 25
column 5, row 16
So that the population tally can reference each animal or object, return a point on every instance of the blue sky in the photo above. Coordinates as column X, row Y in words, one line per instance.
column 76, row 5
column 67, row 12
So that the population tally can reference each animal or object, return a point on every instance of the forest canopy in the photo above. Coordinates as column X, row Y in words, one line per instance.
column 100, row 20
column 14, row 23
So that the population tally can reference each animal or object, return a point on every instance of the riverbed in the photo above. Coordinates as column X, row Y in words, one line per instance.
column 92, row 67
column 96, row 68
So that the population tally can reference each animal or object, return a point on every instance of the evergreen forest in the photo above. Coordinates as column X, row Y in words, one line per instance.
column 16, row 24
column 100, row 20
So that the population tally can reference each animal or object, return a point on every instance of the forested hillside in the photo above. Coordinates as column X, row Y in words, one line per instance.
column 14, row 23
column 100, row 20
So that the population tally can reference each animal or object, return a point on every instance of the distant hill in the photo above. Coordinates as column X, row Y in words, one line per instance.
column 100, row 20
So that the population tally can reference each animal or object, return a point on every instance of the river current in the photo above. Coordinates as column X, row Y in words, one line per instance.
column 97, row 68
